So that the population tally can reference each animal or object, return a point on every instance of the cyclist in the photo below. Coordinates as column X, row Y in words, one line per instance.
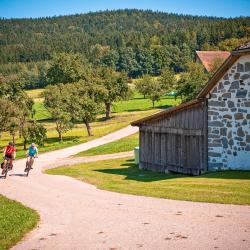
column 31, row 154
column 9, row 154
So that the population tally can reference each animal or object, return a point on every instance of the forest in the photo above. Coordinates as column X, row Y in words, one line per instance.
column 133, row 41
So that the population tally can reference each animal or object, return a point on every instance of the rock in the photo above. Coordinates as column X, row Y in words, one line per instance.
column 240, row 132
column 214, row 154
column 226, row 95
column 240, row 67
column 227, row 116
column 225, row 77
column 237, row 76
column 241, row 93
column 245, row 76
column 248, row 138
column 230, row 104
column 234, row 85
column 247, row 66
column 238, row 116
column 223, row 131
column 247, row 104
column 213, row 113
column 225, row 142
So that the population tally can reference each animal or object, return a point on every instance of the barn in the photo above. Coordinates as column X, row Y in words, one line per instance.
column 209, row 133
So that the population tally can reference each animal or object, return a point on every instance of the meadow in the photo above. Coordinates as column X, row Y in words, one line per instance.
column 123, row 113
column 123, row 176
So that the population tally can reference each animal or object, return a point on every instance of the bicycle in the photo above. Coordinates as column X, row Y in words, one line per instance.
column 7, row 168
column 29, row 165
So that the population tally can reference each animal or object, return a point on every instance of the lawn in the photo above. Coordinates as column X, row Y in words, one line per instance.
column 15, row 221
column 125, row 144
column 122, row 175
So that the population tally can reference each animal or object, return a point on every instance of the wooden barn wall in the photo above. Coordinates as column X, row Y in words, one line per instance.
column 176, row 143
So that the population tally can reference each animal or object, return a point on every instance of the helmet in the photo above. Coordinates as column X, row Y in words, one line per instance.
column 33, row 144
column 11, row 143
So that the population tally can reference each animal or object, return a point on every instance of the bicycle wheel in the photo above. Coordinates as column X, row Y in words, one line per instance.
column 28, row 169
column 6, row 170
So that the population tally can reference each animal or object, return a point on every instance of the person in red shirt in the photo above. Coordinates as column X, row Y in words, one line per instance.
column 9, row 154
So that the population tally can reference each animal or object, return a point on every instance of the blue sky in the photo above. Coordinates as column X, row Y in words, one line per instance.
column 41, row 8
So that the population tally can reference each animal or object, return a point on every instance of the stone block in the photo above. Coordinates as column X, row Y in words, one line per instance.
column 247, row 104
column 241, row 93
column 230, row 104
column 213, row 113
column 237, row 76
column 242, row 110
column 245, row 77
column 247, row 66
column 215, row 165
column 226, row 95
column 240, row 132
column 225, row 77
column 227, row 116
column 223, row 131
column 234, row 85
column 238, row 116
column 214, row 154
column 214, row 145
column 215, row 124
column 248, row 138
column 240, row 67
column 224, row 142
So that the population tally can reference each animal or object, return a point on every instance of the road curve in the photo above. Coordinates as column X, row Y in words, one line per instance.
column 76, row 215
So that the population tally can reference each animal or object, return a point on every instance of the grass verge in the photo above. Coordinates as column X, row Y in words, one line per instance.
column 123, row 145
column 15, row 221
column 122, row 175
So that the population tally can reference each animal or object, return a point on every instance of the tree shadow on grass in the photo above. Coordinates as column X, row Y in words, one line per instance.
column 132, row 172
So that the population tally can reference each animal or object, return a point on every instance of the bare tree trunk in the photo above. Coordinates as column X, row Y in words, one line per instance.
column 108, row 110
column 59, row 132
column 153, row 103
column 24, row 144
column 89, row 129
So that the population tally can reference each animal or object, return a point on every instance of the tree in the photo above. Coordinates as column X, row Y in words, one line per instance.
column 114, row 87
column 151, row 87
column 142, row 85
column 168, row 80
column 68, row 68
column 55, row 100
column 191, row 82
column 86, row 104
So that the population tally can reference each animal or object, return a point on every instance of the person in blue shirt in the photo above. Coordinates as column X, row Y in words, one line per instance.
column 32, row 153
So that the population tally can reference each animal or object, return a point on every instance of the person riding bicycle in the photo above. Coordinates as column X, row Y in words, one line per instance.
column 9, row 154
column 31, row 154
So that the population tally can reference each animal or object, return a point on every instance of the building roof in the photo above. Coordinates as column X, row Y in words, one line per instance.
column 244, row 46
column 235, row 55
column 168, row 112
column 208, row 58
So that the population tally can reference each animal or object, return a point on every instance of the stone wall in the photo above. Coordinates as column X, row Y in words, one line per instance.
column 229, row 119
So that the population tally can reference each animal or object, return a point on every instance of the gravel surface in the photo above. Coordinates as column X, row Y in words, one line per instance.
column 76, row 215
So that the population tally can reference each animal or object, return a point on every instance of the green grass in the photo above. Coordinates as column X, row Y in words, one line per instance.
column 78, row 134
column 125, row 144
column 138, row 103
column 15, row 221
column 122, row 175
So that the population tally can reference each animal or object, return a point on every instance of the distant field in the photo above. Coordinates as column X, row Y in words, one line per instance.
column 123, row 176
column 15, row 221
column 125, row 144
column 137, row 103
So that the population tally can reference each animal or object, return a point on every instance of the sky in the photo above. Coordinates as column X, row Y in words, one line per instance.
column 42, row 8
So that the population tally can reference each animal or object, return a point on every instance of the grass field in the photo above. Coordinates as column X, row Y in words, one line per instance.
column 137, row 103
column 78, row 134
column 123, row 114
column 122, row 175
column 15, row 221
column 125, row 144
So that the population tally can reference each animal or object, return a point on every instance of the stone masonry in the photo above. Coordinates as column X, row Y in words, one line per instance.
column 229, row 119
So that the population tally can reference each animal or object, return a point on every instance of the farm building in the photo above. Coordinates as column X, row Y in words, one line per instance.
column 209, row 133
column 211, row 59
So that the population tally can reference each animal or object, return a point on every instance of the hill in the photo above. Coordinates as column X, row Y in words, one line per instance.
column 129, row 40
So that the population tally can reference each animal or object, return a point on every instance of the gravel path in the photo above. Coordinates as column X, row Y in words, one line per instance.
column 76, row 215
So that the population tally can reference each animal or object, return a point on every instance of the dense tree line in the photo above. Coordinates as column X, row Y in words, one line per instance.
column 132, row 41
